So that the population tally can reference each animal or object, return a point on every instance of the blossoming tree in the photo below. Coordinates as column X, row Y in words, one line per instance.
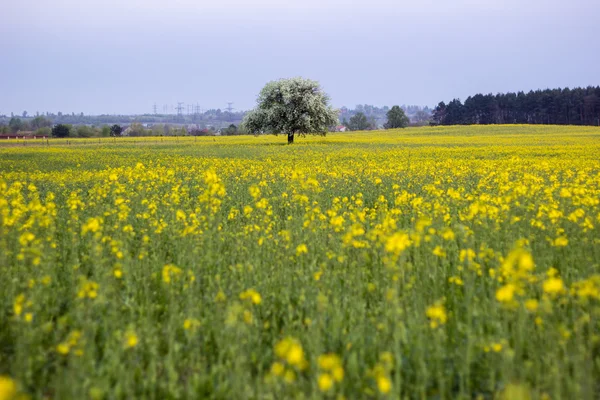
column 291, row 106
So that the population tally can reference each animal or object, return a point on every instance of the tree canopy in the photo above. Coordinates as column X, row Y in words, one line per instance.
column 291, row 106
column 396, row 118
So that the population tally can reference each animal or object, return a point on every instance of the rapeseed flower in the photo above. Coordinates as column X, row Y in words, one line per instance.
column 437, row 315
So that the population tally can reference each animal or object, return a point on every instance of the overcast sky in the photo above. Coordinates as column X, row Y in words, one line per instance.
column 122, row 56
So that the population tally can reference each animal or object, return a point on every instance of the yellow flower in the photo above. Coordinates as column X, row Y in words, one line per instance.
column 588, row 288
column 338, row 373
column 277, row 369
column 87, row 289
column 526, row 261
column 18, row 304
column 63, row 348
column 456, row 280
column 131, row 339
column 290, row 350
column 553, row 286
column 301, row 249
column 325, row 382
column 92, row 225
column 506, row 293
column 397, row 243
column 438, row 251
column 252, row 295
column 384, row 385
column 467, row 254
column 170, row 272
column 448, row 234
column 531, row 305
column 561, row 241
column 295, row 354
column 437, row 315
column 254, row 191
column 329, row 361
column 8, row 388
column 190, row 323
column 26, row 238
column 220, row 297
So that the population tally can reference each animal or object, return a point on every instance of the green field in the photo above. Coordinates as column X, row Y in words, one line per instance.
column 427, row 263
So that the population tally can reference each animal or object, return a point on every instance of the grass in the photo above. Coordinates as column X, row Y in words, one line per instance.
column 447, row 262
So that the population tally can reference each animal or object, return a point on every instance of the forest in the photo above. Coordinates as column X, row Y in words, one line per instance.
column 578, row 106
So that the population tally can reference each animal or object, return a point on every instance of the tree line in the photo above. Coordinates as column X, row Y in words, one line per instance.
column 578, row 106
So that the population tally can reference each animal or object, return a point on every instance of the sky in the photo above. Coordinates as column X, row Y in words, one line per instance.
column 123, row 56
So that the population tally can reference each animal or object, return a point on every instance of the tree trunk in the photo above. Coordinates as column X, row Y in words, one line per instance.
column 290, row 138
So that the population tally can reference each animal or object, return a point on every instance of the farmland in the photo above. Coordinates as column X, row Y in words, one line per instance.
column 443, row 262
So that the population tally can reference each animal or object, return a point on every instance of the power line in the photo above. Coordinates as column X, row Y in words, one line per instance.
column 179, row 109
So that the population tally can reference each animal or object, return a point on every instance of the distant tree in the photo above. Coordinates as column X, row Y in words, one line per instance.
column 40, row 122
column 422, row 116
column 291, row 106
column 358, row 122
column 158, row 130
column 230, row 130
column 84, row 131
column 116, row 130
column 24, row 114
column 373, row 123
column 26, row 126
column 577, row 106
column 396, row 118
column 61, row 131
column 43, row 132
column 105, row 131
column 137, row 129
column 439, row 114
column 15, row 124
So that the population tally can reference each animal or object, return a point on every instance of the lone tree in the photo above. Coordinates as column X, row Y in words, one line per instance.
column 291, row 106
column 396, row 118
column 61, row 131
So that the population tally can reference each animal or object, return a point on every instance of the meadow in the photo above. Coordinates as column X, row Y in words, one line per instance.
column 426, row 263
